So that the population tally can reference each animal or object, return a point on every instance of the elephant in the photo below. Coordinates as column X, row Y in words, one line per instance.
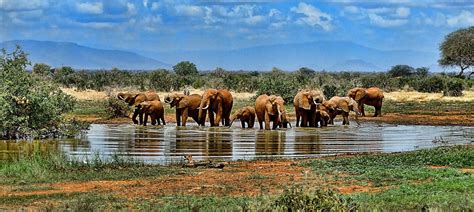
column 322, row 116
column 340, row 105
column 186, row 105
column 219, row 102
column 305, row 106
column 154, row 109
column 271, row 108
column 246, row 115
column 133, row 99
column 371, row 96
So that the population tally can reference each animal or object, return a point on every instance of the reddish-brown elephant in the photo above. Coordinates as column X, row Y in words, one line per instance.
column 246, row 115
column 154, row 109
column 305, row 106
column 371, row 96
column 340, row 106
column 133, row 99
column 271, row 109
column 186, row 105
column 218, row 102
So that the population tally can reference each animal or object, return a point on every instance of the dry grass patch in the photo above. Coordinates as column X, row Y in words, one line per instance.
column 403, row 96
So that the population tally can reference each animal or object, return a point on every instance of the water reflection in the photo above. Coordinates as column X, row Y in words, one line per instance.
column 170, row 143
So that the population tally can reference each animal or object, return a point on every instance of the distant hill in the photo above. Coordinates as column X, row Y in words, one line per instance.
column 329, row 55
column 81, row 57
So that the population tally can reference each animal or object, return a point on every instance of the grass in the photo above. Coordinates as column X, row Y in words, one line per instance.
column 432, row 107
column 405, row 180
column 54, row 167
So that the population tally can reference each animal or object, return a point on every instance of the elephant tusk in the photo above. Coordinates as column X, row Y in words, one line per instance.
column 120, row 97
column 205, row 108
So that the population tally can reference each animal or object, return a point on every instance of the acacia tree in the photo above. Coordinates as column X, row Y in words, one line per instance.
column 457, row 49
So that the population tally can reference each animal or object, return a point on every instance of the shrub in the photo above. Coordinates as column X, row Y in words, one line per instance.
column 29, row 105
column 401, row 71
column 278, row 83
column 453, row 87
column 294, row 199
column 434, row 84
column 116, row 108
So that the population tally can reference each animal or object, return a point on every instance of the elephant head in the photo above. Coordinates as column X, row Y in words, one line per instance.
column 276, row 107
column 309, row 98
column 357, row 93
column 128, row 97
column 347, row 104
column 242, row 112
column 176, row 100
column 209, row 96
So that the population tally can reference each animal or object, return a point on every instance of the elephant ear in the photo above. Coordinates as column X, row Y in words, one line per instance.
column 183, row 103
column 353, row 105
column 343, row 104
column 304, row 101
column 360, row 94
column 269, row 108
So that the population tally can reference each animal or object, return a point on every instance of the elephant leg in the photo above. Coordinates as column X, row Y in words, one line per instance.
column 144, row 121
column 304, row 120
column 218, row 117
column 135, row 114
column 153, row 120
column 242, row 122
column 163, row 119
column 184, row 116
column 211, row 118
column 297, row 118
column 267, row 121
column 361, row 109
column 378, row 111
column 178, row 117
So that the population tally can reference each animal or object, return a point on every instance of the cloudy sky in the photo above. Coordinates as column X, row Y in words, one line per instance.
column 161, row 25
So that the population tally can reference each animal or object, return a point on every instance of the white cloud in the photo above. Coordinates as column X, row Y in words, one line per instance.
column 254, row 20
column 402, row 12
column 313, row 16
column 131, row 9
column 274, row 13
column 352, row 9
column 190, row 10
column 382, row 22
column 90, row 8
column 14, row 5
column 465, row 18
column 155, row 6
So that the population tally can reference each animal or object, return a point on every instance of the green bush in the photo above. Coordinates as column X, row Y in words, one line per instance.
column 29, row 105
column 453, row 87
column 294, row 199
column 278, row 83
column 115, row 108
column 433, row 84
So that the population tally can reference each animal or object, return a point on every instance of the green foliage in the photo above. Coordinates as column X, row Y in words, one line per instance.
column 295, row 199
column 433, row 84
column 43, row 70
column 278, row 83
column 401, row 71
column 457, row 49
column 186, row 72
column 29, row 105
column 453, row 87
column 116, row 108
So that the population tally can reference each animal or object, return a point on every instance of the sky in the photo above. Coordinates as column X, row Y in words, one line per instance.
column 165, row 25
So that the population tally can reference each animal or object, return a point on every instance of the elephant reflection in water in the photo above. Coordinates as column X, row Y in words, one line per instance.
column 144, row 141
column 13, row 149
column 211, row 143
column 307, row 144
column 270, row 143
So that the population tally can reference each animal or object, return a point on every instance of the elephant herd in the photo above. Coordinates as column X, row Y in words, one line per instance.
column 312, row 109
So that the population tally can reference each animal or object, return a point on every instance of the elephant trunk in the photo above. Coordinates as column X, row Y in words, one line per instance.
column 203, row 106
column 168, row 100
column 232, row 119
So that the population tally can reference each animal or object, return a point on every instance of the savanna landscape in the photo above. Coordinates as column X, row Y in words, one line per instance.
column 185, row 138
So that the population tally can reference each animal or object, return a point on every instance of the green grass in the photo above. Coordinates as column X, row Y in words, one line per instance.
column 432, row 107
column 90, row 107
column 56, row 167
column 411, row 183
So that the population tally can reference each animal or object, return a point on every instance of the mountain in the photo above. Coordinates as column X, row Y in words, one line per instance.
column 329, row 55
column 81, row 57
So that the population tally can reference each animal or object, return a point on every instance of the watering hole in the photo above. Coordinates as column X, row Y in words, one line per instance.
column 164, row 145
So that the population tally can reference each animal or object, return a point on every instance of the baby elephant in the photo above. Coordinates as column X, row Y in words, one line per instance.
column 245, row 114
column 322, row 116
column 154, row 109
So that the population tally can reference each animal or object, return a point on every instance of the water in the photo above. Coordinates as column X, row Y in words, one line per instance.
column 168, row 144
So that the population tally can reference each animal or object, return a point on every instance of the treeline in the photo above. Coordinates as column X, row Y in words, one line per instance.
column 286, row 84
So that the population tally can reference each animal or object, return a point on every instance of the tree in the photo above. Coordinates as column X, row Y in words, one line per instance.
column 422, row 71
column 457, row 49
column 29, row 106
column 401, row 71
column 185, row 68
column 42, row 70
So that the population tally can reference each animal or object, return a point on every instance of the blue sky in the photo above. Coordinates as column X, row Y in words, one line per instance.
column 162, row 25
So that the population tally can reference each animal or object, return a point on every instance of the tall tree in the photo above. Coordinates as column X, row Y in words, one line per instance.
column 457, row 49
